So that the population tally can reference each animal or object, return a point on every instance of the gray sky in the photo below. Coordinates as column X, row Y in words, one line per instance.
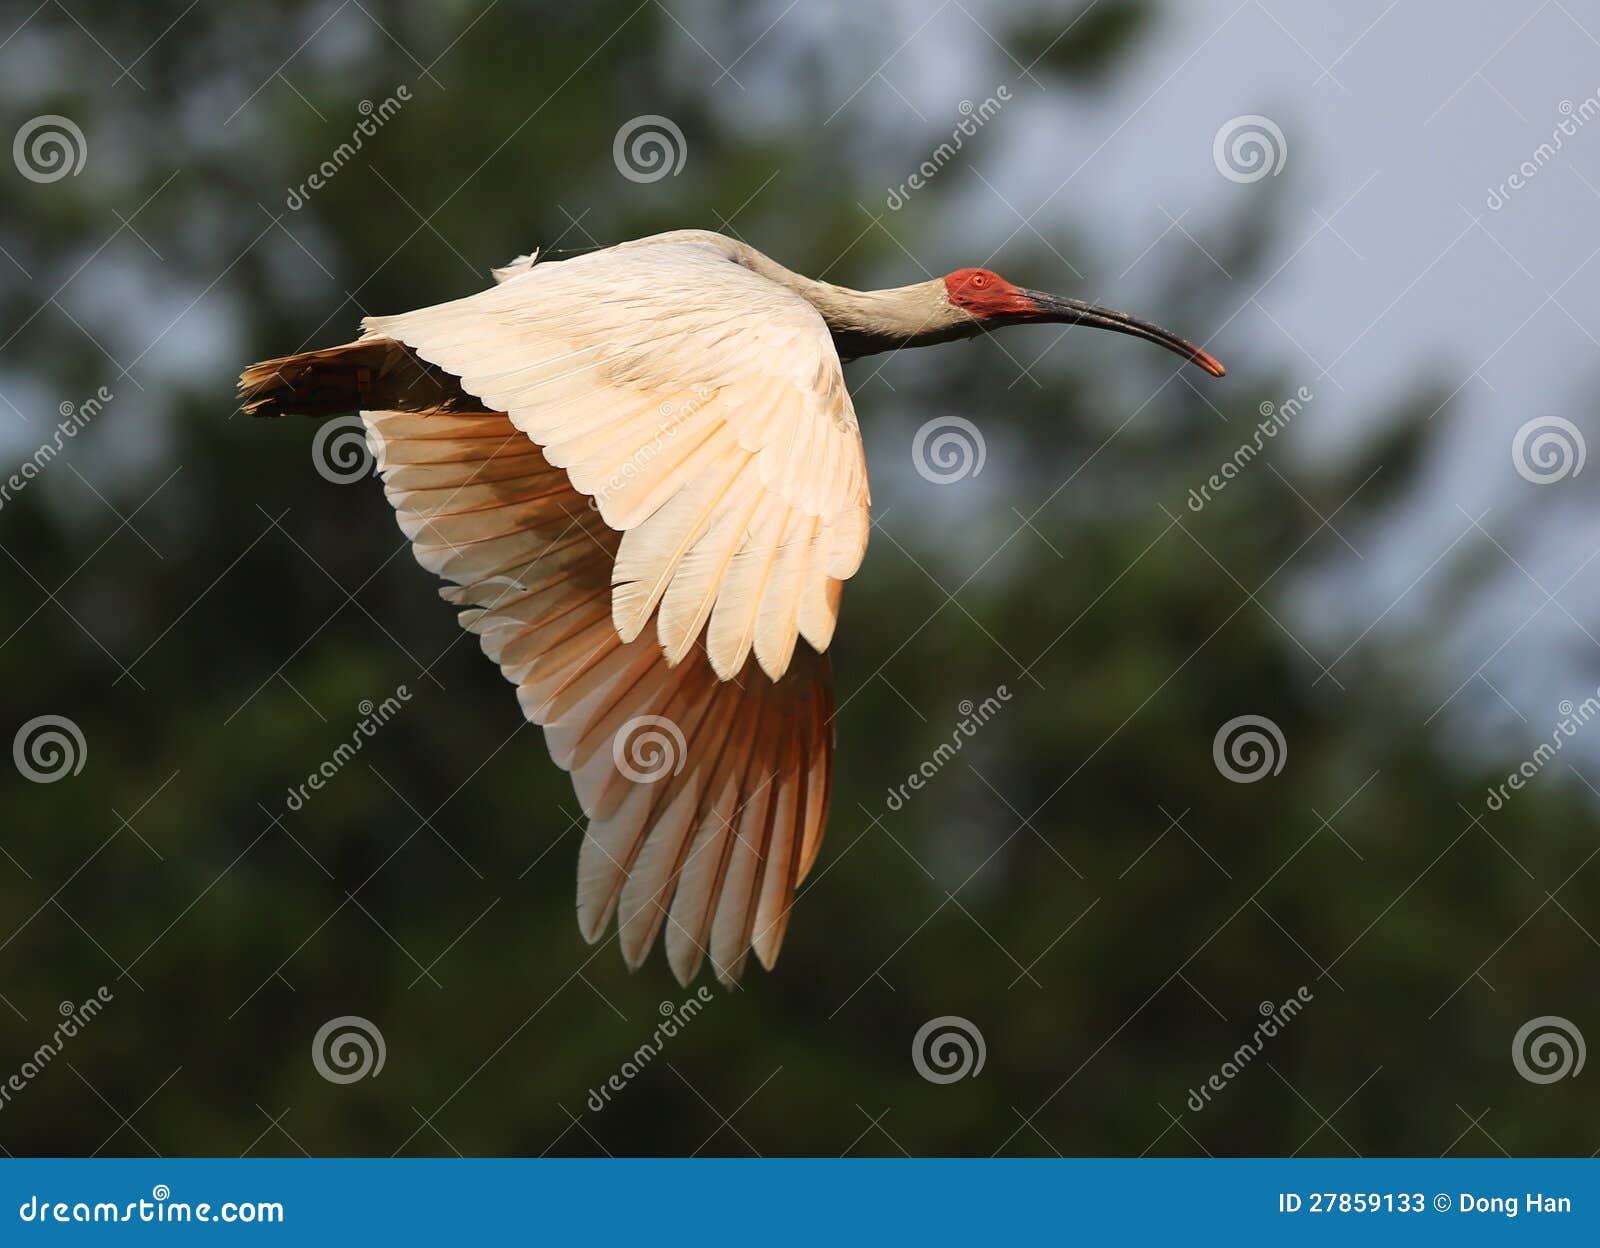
column 1398, row 120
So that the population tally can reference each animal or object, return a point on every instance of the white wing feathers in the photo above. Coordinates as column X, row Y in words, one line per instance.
column 702, row 408
column 663, row 435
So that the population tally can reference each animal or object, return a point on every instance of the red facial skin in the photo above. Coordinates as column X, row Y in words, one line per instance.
column 986, row 294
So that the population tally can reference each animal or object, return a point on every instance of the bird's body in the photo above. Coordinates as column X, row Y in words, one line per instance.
column 641, row 473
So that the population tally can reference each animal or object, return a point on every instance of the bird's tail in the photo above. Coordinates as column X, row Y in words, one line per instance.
column 372, row 374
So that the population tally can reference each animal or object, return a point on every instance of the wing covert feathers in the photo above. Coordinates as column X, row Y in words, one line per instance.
column 703, row 409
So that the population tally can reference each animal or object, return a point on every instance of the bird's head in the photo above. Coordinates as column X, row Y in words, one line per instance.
column 991, row 300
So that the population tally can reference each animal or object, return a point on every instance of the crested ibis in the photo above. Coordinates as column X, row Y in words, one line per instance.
column 640, row 474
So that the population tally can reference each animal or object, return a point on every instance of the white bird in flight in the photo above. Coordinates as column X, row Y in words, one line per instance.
column 640, row 472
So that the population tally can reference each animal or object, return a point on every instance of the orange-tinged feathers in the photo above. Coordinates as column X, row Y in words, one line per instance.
column 705, row 797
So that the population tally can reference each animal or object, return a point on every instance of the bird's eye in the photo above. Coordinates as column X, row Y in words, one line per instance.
column 980, row 280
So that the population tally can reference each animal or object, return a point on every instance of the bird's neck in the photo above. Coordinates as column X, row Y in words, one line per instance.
column 867, row 322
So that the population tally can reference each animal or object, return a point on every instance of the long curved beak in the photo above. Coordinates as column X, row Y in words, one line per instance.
column 1055, row 308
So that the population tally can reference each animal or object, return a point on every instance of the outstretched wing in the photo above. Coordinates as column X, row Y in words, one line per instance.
column 703, row 409
column 647, row 432
column 706, row 798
